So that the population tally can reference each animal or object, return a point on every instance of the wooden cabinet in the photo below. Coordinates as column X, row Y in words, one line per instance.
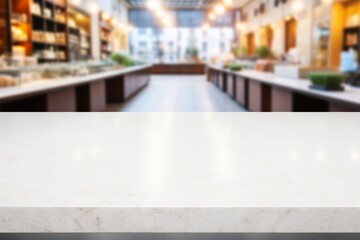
column 230, row 86
column 281, row 100
column 259, row 97
column 123, row 87
column 241, row 91
column 178, row 69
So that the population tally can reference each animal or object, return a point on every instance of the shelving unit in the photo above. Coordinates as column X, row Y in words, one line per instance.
column 5, row 38
column 79, row 35
column 38, row 28
column 20, row 28
column 49, row 30
column 105, row 29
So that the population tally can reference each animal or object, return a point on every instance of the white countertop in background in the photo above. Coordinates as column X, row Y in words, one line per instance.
column 177, row 172
column 351, row 95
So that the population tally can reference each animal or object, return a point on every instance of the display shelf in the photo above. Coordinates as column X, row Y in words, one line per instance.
column 48, row 31
column 20, row 28
column 105, row 29
column 79, row 31
column 5, row 34
column 39, row 29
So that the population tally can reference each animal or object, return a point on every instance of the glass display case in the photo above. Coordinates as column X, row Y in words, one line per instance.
column 13, row 76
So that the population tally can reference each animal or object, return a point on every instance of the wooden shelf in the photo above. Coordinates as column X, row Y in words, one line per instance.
column 79, row 33
column 5, row 36
column 105, row 29
column 42, row 24
column 57, row 23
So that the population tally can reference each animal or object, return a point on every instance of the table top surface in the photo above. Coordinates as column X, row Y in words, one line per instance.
column 185, row 161
column 179, row 160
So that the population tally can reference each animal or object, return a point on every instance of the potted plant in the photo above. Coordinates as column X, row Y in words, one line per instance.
column 235, row 51
column 122, row 59
column 234, row 67
column 264, row 52
column 194, row 54
column 244, row 51
column 327, row 81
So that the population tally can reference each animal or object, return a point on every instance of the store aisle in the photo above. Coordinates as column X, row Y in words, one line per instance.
column 175, row 93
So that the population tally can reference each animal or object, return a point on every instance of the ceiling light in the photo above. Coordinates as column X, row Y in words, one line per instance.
column 228, row 3
column 205, row 26
column 212, row 16
column 297, row 5
column 159, row 13
column 105, row 16
column 219, row 9
column 153, row 4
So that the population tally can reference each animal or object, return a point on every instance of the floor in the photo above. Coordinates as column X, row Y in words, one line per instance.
column 174, row 93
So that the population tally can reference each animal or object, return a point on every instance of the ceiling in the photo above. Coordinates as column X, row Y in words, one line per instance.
column 183, row 3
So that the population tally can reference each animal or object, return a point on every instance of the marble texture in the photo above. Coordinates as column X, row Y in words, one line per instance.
column 351, row 95
column 179, row 172
column 52, row 84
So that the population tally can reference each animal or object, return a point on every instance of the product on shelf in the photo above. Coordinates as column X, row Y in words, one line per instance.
column 60, row 16
column 19, row 51
column 60, row 55
column 48, row 13
column 18, row 34
column 50, row 37
column 35, row 8
column 60, row 38
column 31, row 61
column 352, row 39
column 59, row 2
column 7, row 81
column 18, row 18
column 72, row 23
column 38, row 36
column 48, row 54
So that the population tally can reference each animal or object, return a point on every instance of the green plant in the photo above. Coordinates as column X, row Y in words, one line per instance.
column 235, row 51
column 122, row 59
column 244, row 51
column 327, row 79
column 193, row 52
column 263, row 52
column 234, row 67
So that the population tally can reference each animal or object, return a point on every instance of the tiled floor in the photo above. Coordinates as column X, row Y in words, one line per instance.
column 175, row 93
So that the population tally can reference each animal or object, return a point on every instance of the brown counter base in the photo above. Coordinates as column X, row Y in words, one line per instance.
column 230, row 85
column 62, row 100
column 91, row 97
column 242, row 90
column 178, row 69
column 259, row 97
column 121, row 88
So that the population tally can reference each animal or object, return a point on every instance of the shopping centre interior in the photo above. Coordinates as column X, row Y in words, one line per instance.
column 179, row 55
